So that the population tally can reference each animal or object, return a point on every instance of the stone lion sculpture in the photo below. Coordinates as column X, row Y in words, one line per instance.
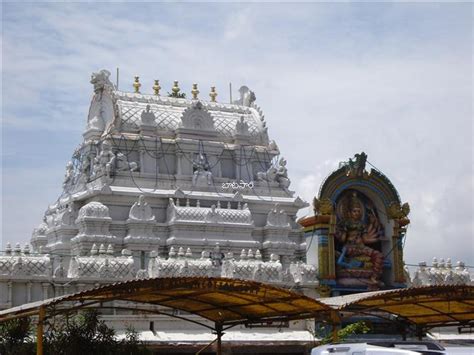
column 101, row 112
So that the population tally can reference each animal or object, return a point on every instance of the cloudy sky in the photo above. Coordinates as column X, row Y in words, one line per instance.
column 391, row 79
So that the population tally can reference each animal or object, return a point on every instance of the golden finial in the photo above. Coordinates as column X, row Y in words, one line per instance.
column 136, row 84
column 175, row 89
column 157, row 87
column 195, row 91
column 213, row 94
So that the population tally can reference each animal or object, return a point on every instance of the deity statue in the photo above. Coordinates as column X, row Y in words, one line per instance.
column 282, row 174
column 147, row 116
column 201, row 168
column 242, row 127
column 277, row 173
column 357, row 228
column 104, row 162
column 141, row 210
column 87, row 163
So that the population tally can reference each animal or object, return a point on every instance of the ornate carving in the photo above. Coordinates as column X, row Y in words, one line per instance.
column 277, row 218
column 107, row 162
column 197, row 117
column 141, row 210
column 323, row 207
column 94, row 209
column 395, row 211
column 441, row 274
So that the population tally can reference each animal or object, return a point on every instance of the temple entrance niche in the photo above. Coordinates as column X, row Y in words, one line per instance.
column 358, row 241
column 357, row 232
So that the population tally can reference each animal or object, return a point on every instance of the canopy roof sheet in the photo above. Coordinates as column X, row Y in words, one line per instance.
column 427, row 306
column 221, row 300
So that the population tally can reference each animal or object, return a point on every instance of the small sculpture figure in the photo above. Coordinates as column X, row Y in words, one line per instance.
column 247, row 97
column 68, row 176
column 323, row 206
column 201, row 168
column 282, row 174
column 141, row 210
column 242, row 127
column 357, row 168
column 86, row 165
column 148, row 117
column 104, row 162
column 269, row 175
column 124, row 165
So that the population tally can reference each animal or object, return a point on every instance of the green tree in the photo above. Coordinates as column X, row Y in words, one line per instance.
column 15, row 337
column 83, row 333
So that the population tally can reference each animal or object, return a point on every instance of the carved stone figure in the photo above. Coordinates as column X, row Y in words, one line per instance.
column 141, row 210
column 323, row 206
column 148, row 117
column 68, row 176
column 247, row 97
column 104, row 162
column 269, row 175
column 201, row 169
column 101, row 112
column 282, row 174
column 87, row 164
column 122, row 163
column 242, row 127
column 395, row 211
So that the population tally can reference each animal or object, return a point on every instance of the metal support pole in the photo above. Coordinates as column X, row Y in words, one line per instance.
column 219, row 340
column 39, row 332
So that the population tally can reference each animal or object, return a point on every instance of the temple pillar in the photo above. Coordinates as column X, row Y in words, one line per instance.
column 331, row 246
column 399, row 277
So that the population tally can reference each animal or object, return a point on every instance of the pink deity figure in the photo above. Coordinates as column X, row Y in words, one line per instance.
column 354, row 234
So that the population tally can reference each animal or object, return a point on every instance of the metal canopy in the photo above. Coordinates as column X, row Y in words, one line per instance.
column 427, row 306
column 221, row 300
